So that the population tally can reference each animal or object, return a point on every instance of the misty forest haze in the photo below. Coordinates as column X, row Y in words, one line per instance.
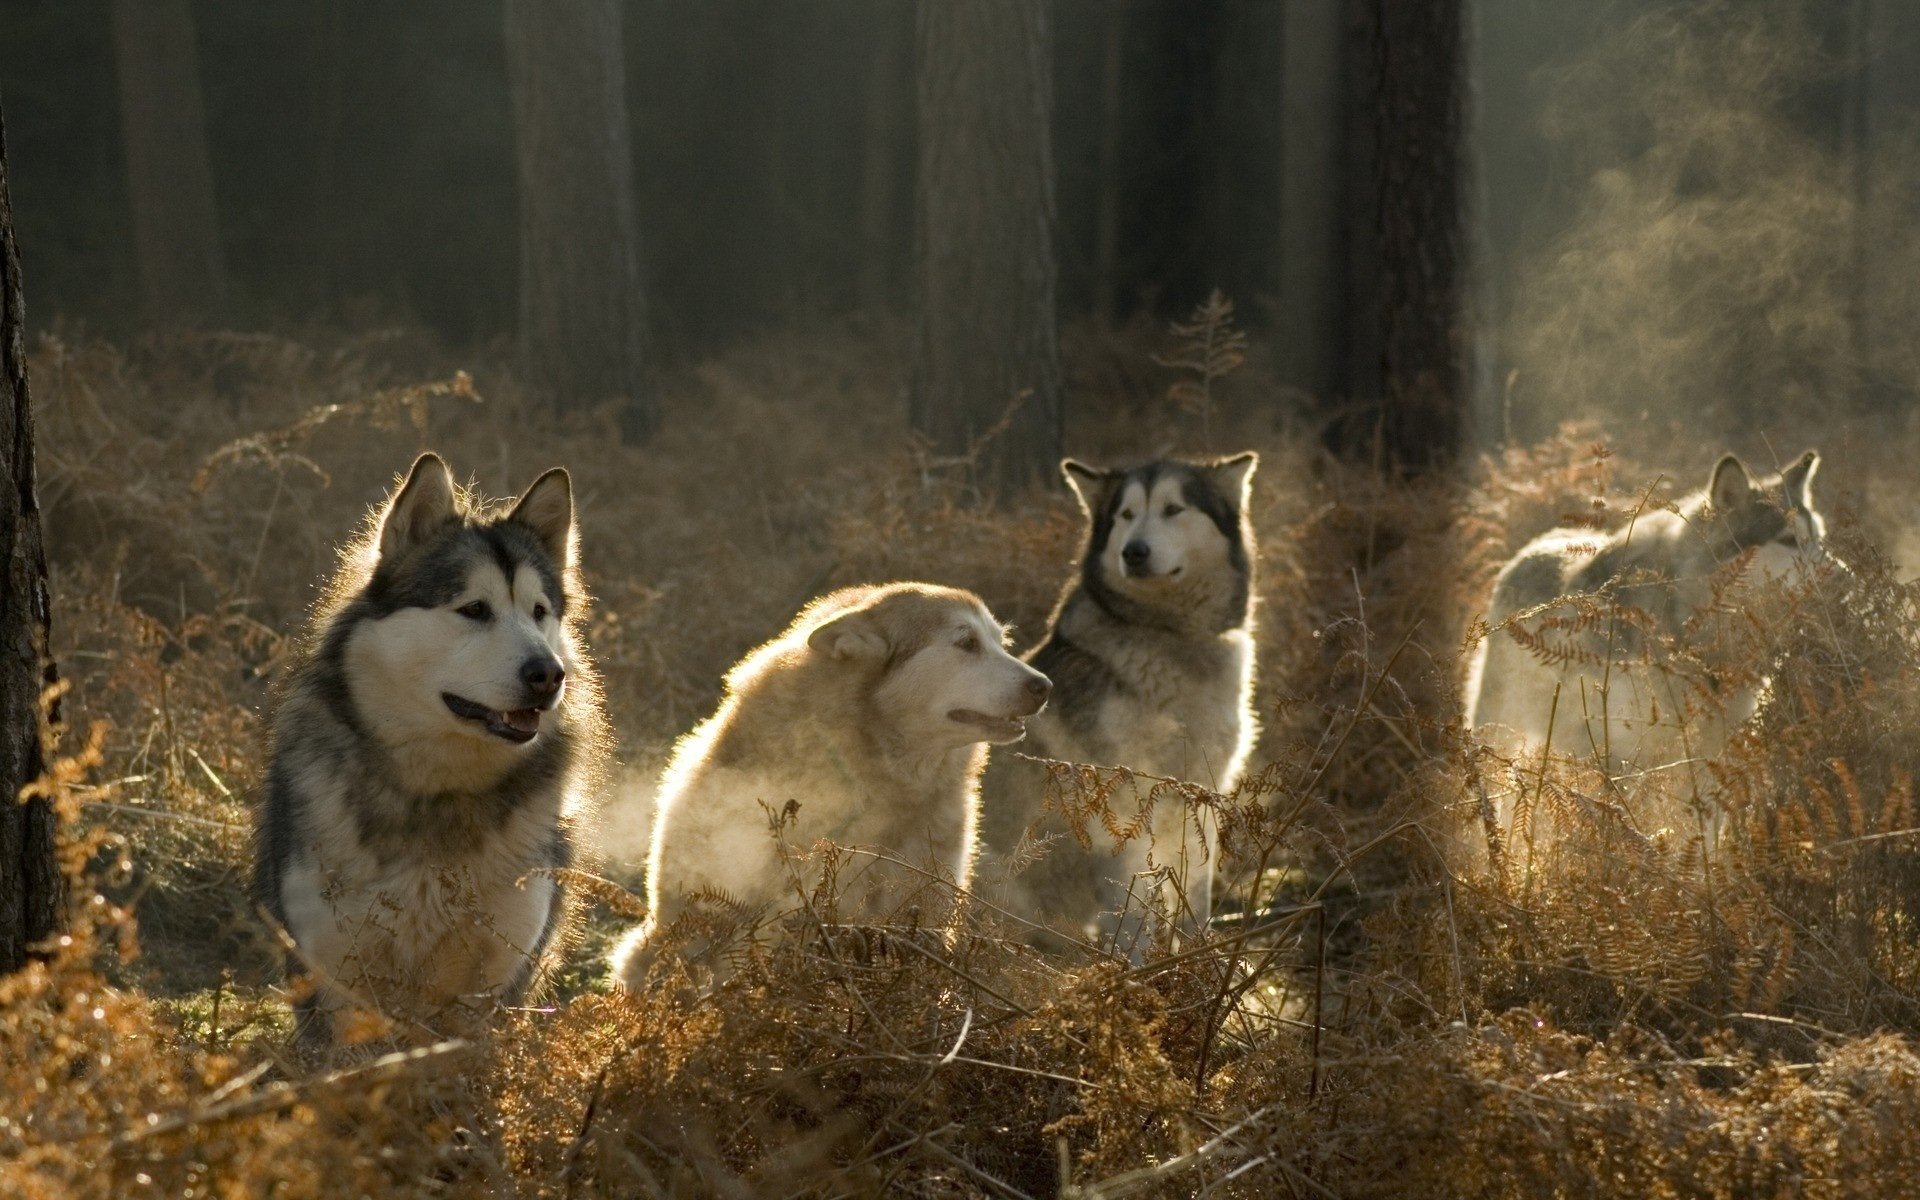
column 809, row 294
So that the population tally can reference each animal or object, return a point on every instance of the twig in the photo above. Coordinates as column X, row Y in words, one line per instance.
column 1142, row 1179
column 930, row 956
column 574, row 1147
column 1319, row 984
column 218, row 784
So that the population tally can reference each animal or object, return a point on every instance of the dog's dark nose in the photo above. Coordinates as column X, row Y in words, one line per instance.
column 543, row 677
column 1040, row 687
column 1136, row 553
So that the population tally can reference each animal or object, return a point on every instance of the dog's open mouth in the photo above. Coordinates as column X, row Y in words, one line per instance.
column 997, row 729
column 520, row 725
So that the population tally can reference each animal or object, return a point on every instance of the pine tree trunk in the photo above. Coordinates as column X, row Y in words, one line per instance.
column 987, row 336
column 30, row 887
column 886, row 83
column 326, row 113
column 176, row 230
column 1405, row 247
column 1106, row 212
column 1310, row 288
column 582, row 322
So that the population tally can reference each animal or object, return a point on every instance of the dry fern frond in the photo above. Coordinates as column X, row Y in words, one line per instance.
column 1210, row 348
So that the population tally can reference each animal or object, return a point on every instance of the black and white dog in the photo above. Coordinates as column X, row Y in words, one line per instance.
column 1151, row 655
column 434, row 744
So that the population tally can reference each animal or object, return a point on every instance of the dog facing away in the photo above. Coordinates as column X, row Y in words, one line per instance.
column 866, row 724
column 1151, row 653
column 434, row 743
column 1620, row 695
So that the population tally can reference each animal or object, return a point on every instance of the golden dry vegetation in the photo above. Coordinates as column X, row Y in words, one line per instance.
column 1406, row 999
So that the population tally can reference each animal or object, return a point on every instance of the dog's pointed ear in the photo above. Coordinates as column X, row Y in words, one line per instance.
column 423, row 503
column 851, row 635
column 1798, row 478
column 547, row 509
column 1234, row 476
column 1731, row 487
column 1087, row 483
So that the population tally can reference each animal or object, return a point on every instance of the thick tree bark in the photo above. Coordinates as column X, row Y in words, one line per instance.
column 582, row 323
column 987, row 336
column 176, row 230
column 1405, row 248
column 30, row 886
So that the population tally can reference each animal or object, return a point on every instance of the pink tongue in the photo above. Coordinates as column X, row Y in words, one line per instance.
column 526, row 720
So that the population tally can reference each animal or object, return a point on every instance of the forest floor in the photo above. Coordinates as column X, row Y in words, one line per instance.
column 1410, row 998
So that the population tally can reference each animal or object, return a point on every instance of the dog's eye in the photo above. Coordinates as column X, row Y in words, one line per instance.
column 1173, row 510
column 477, row 610
column 1126, row 514
column 969, row 643
column 539, row 612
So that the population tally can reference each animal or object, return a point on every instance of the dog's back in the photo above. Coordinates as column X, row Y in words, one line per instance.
column 1536, row 576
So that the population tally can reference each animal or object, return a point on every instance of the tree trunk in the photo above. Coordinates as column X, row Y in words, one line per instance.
column 1405, row 248
column 176, row 230
column 30, row 887
column 582, row 323
column 327, row 111
column 1106, row 211
column 1310, row 288
column 886, row 81
column 987, row 337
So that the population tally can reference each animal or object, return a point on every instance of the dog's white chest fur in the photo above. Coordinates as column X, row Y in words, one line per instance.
column 433, row 928
column 1167, row 718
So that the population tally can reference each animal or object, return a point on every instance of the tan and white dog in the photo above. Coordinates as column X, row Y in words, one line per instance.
column 864, row 724
column 434, row 743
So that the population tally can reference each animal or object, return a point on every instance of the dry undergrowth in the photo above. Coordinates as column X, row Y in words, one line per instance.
column 1400, row 999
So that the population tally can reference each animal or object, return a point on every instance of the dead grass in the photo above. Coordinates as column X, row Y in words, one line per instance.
column 1387, row 1008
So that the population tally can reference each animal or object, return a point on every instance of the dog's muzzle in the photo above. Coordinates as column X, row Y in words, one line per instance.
column 1011, row 728
column 519, row 725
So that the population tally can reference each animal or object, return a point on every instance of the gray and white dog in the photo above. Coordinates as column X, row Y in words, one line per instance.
column 434, row 743
column 1622, row 694
column 1151, row 655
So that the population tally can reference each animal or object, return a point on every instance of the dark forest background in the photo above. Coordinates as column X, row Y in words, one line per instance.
column 363, row 157
column 363, row 166
column 362, row 161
